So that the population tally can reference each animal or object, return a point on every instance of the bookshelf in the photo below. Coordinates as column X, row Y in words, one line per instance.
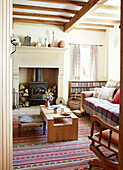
column 79, row 86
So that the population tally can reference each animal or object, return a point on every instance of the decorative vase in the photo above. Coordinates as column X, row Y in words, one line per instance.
column 47, row 103
column 61, row 44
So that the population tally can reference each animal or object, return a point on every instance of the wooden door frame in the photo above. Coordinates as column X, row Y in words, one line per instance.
column 120, row 167
column 6, row 146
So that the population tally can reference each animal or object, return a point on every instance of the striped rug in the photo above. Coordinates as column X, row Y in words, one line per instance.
column 31, row 150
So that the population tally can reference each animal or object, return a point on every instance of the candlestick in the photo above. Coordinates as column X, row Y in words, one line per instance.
column 53, row 38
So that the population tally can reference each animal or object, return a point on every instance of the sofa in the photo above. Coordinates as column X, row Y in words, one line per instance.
column 103, row 102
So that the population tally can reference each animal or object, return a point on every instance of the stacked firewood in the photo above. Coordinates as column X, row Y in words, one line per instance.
column 23, row 96
column 53, row 91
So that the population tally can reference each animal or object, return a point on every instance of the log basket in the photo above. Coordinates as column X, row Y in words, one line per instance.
column 74, row 102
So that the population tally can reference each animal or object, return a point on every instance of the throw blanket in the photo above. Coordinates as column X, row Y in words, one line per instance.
column 104, row 109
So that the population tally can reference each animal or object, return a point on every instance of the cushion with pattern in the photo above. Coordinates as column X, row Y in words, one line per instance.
column 96, row 93
column 106, row 93
column 113, row 84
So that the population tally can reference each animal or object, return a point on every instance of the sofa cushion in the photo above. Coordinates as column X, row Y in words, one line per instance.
column 114, row 137
column 116, row 98
column 31, row 118
column 113, row 83
column 106, row 93
column 96, row 93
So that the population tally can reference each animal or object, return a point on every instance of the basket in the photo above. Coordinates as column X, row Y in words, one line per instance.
column 74, row 103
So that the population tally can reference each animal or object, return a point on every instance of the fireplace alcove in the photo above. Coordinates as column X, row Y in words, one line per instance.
column 38, row 83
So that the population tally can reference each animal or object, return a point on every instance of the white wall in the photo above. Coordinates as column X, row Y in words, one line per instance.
column 39, row 32
column 113, row 53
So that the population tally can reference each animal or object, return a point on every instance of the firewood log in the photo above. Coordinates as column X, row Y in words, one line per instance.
column 25, row 94
column 24, row 105
column 23, row 99
column 22, row 87
column 54, row 87
column 26, row 90
column 20, row 95
column 21, row 91
column 27, row 103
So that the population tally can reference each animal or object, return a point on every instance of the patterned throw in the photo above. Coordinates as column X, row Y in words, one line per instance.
column 106, row 110
column 30, row 151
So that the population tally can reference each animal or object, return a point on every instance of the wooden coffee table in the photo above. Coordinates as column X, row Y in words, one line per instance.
column 59, row 127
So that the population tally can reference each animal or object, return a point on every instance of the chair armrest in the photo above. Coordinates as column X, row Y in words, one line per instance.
column 85, row 94
column 104, row 124
column 104, row 137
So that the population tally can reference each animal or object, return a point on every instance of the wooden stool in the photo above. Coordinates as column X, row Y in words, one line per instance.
column 30, row 120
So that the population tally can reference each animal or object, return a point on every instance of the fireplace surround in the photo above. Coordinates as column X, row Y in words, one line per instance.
column 40, row 57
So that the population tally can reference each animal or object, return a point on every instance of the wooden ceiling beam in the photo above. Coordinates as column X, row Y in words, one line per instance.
column 90, row 29
column 100, row 14
column 110, row 7
column 88, row 8
column 41, row 15
column 64, row 2
column 102, row 21
column 96, row 25
column 38, row 21
column 29, row 7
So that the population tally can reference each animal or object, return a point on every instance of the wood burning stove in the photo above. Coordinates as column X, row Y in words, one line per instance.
column 37, row 88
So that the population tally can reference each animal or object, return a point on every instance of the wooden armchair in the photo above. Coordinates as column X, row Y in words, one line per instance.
column 109, row 139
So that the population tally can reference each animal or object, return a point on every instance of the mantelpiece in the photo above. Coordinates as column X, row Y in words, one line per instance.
column 43, row 49
column 39, row 57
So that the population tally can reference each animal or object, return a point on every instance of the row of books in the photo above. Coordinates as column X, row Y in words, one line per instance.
column 87, row 84
column 74, row 90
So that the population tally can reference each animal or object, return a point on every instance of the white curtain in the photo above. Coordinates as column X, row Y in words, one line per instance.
column 76, row 61
column 94, row 63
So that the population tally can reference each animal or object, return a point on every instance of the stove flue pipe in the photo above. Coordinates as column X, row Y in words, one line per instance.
column 38, row 74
